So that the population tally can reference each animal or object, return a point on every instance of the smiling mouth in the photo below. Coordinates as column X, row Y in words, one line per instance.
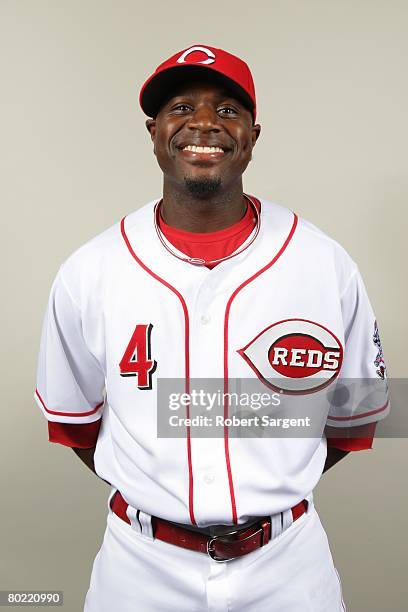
column 202, row 154
column 205, row 150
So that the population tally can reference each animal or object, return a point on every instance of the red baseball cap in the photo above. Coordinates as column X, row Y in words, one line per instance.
column 223, row 67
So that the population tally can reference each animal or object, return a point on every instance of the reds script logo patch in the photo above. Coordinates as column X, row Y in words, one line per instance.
column 295, row 356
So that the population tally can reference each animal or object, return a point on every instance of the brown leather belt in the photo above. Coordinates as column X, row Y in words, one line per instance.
column 235, row 543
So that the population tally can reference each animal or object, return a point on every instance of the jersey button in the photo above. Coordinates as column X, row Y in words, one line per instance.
column 209, row 478
column 205, row 319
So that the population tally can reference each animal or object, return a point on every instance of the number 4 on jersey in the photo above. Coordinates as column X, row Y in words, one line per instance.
column 136, row 360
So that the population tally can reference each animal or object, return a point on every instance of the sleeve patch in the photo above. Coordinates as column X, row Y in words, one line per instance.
column 379, row 360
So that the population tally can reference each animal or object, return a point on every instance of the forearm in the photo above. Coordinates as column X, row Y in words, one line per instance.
column 87, row 456
column 334, row 455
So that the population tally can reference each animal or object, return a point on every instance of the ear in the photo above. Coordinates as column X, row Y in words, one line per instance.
column 256, row 130
column 151, row 128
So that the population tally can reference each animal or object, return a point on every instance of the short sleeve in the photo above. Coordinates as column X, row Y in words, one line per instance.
column 360, row 395
column 70, row 381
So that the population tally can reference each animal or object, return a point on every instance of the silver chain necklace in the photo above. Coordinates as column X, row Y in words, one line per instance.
column 197, row 261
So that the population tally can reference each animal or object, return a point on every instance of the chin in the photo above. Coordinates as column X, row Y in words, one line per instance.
column 202, row 187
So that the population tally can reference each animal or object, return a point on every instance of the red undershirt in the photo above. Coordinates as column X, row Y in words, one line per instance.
column 212, row 245
column 207, row 246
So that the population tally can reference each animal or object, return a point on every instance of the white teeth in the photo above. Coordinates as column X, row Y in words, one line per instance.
column 195, row 149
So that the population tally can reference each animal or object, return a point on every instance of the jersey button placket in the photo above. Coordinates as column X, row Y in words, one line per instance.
column 209, row 477
column 207, row 364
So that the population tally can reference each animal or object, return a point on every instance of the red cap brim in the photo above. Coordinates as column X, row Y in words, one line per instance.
column 161, row 85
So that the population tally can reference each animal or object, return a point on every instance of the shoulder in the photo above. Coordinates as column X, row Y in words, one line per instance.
column 326, row 246
column 90, row 262
column 311, row 243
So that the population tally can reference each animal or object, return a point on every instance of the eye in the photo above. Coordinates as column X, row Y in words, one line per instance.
column 227, row 110
column 181, row 107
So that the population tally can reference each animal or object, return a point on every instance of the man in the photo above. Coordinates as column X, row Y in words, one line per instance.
column 208, row 283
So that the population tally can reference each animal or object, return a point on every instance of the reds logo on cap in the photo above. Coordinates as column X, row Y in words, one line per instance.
column 209, row 60
column 295, row 356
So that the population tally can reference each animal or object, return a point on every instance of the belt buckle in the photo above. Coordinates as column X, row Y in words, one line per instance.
column 210, row 543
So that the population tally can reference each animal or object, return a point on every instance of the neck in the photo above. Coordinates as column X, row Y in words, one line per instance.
column 182, row 210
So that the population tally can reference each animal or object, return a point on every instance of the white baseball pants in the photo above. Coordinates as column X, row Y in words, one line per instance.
column 292, row 573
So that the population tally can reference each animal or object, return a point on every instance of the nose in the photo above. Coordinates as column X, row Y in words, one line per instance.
column 204, row 118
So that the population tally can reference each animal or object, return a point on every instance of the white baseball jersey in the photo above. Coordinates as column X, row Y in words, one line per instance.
column 125, row 313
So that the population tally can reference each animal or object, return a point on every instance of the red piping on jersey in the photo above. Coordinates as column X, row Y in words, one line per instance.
column 361, row 415
column 68, row 414
column 187, row 359
column 226, row 321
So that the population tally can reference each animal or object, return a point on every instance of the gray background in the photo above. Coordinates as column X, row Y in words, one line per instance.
column 75, row 156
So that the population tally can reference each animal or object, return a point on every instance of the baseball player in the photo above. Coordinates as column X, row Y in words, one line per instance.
column 207, row 282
